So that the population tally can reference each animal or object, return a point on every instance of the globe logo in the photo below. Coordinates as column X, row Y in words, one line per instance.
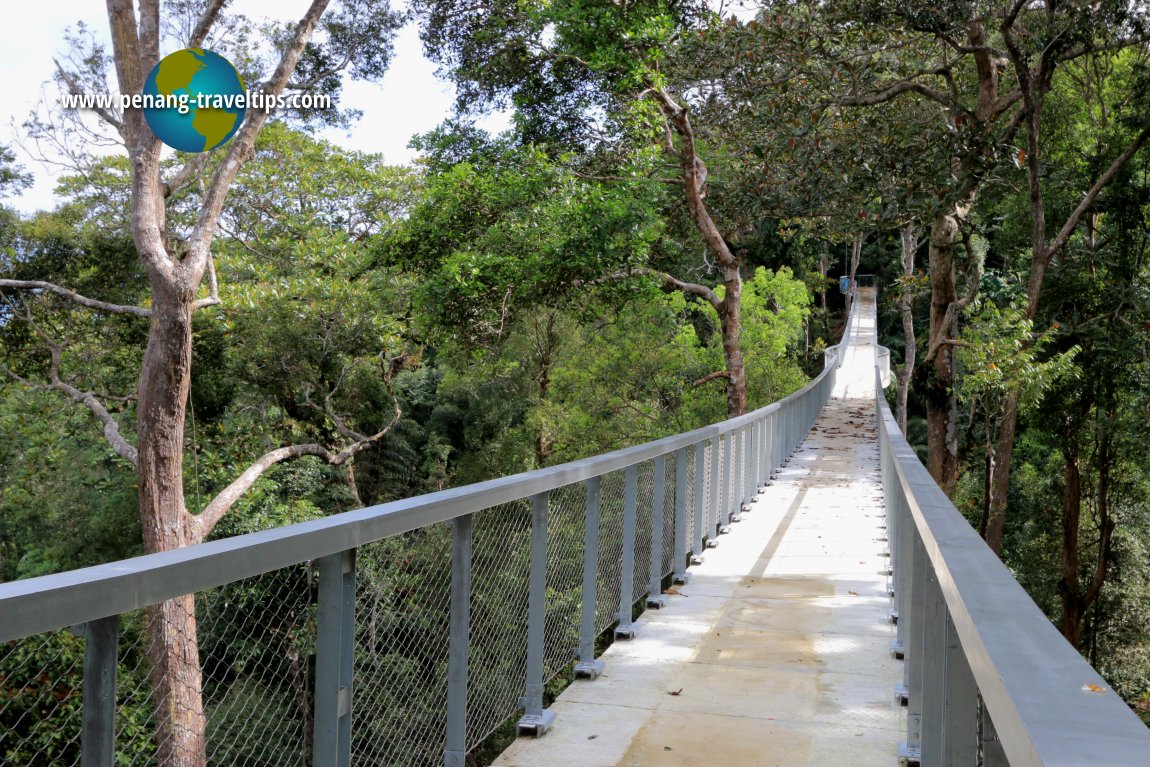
column 194, row 100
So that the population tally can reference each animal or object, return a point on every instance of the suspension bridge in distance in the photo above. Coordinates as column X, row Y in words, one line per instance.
column 784, row 588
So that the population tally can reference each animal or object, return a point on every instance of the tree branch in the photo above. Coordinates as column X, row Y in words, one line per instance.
column 204, row 231
column 713, row 377
column 75, row 297
column 204, row 25
column 112, row 433
column 1076, row 216
column 207, row 519
column 74, row 88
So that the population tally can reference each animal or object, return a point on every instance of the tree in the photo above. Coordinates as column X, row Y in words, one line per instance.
column 176, row 257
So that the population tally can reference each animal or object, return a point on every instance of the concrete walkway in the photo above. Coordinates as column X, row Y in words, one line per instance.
column 777, row 651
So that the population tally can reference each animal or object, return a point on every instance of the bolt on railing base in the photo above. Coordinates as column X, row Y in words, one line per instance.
column 588, row 669
column 725, row 529
column 656, row 602
column 901, row 695
column 684, row 577
column 712, row 543
column 909, row 756
column 896, row 649
column 535, row 725
column 892, row 615
column 736, row 517
column 696, row 559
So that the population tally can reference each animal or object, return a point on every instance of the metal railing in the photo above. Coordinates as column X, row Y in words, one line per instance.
column 404, row 633
column 988, row 680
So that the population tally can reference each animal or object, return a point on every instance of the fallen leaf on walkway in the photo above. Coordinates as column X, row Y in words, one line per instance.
column 666, row 748
column 1092, row 688
column 675, row 692
column 676, row 593
column 592, row 737
column 853, row 593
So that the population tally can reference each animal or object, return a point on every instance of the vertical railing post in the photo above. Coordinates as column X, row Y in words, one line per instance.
column 459, row 635
column 535, row 720
column 933, row 671
column 588, row 667
column 98, row 720
column 903, row 587
column 655, row 598
column 914, row 615
column 700, row 501
column 335, row 634
column 713, row 516
column 735, row 505
column 679, row 573
column 755, row 473
column 726, row 484
column 626, row 629
column 960, row 712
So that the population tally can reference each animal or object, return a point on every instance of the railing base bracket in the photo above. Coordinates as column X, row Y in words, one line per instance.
column 892, row 615
column 725, row 529
column 588, row 669
column 625, row 632
column 697, row 559
column 900, row 694
column 656, row 602
column 896, row 650
column 736, row 517
column 909, row 756
column 684, row 577
column 712, row 543
column 535, row 725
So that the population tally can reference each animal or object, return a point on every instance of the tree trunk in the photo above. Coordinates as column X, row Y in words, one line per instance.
column 1000, row 473
column 1072, row 606
column 173, row 648
column 908, row 238
column 941, row 404
column 729, row 319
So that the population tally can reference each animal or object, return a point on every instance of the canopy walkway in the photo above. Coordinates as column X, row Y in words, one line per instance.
column 783, row 588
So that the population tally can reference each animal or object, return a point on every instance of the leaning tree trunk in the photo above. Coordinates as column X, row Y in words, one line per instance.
column 173, row 647
column 941, row 404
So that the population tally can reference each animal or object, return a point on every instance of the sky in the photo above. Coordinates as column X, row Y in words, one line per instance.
column 409, row 100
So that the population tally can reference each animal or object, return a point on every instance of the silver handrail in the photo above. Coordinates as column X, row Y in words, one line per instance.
column 678, row 494
column 987, row 677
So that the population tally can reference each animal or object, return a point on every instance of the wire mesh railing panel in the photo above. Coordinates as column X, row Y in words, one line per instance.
column 41, row 679
column 668, row 552
column 135, row 714
column 565, row 526
column 708, row 513
column 403, row 595
column 693, row 486
column 501, row 563
column 610, row 550
column 643, row 530
column 256, row 639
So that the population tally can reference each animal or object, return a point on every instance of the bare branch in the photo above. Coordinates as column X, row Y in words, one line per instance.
column 718, row 374
column 205, row 228
column 207, row 519
column 185, row 174
column 74, row 88
column 1092, row 194
column 72, row 295
column 89, row 400
column 894, row 90
column 204, row 25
